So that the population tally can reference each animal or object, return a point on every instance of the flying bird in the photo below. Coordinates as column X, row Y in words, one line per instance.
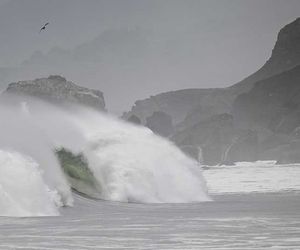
column 44, row 27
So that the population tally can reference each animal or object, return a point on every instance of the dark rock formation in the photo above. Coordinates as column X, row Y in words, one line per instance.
column 135, row 120
column 192, row 105
column 213, row 135
column 194, row 152
column 58, row 90
column 284, row 154
column 160, row 123
column 285, row 56
column 175, row 103
column 273, row 103
column 254, row 119
column 244, row 148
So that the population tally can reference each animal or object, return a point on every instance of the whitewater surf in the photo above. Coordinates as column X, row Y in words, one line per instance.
column 48, row 151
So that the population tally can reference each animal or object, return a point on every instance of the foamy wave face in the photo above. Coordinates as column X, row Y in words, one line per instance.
column 134, row 165
column 130, row 163
column 20, row 132
column 23, row 191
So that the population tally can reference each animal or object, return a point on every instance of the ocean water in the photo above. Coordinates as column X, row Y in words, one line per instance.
column 253, row 177
column 152, row 196
column 128, row 163
column 256, row 219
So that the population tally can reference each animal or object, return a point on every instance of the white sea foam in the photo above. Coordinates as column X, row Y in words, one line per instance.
column 23, row 191
column 253, row 177
column 130, row 163
column 133, row 164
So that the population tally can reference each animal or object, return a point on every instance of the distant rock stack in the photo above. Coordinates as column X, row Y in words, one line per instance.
column 57, row 90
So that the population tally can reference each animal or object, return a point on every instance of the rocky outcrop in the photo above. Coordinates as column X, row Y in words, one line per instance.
column 213, row 135
column 194, row 105
column 135, row 120
column 273, row 103
column 160, row 123
column 58, row 90
column 251, row 120
column 174, row 103
column 244, row 147
column 285, row 56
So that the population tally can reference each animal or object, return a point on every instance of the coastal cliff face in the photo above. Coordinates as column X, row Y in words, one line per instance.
column 174, row 103
column 58, row 90
column 254, row 119
column 273, row 103
column 285, row 56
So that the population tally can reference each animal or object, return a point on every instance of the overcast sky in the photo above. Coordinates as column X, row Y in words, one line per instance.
column 196, row 43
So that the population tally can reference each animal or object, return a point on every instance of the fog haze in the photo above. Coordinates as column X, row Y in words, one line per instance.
column 133, row 49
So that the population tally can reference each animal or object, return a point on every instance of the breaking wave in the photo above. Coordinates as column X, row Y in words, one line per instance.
column 48, row 151
column 23, row 191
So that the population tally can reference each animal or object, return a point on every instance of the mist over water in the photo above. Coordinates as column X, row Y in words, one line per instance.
column 130, row 163
column 23, row 192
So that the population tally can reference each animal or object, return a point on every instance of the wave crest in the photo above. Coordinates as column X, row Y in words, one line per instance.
column 119, row 161
column 23, row 191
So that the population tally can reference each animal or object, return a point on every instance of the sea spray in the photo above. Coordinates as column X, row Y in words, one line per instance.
column 23, row 191
column 134, row 165
column 21, row 133
column 130, row 163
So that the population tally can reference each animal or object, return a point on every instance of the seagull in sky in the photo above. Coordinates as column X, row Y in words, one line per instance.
column 44, row 27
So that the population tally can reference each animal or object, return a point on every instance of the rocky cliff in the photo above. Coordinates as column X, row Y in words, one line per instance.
column 160, row 123
column 58, row 90
column 174, row 103
column 273, row 103
column 256, row 118
column 285, row 56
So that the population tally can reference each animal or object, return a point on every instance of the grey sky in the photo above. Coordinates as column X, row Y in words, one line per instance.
column 179, row 44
